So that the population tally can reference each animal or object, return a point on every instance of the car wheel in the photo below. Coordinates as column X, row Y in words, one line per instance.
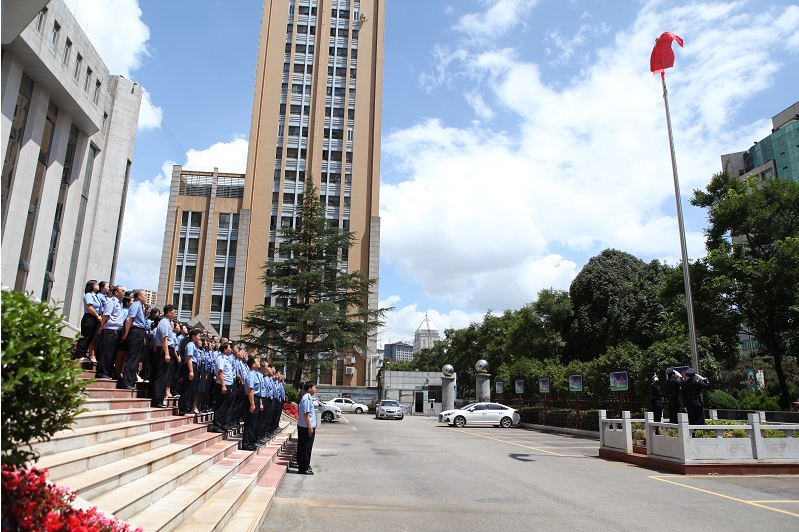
column 359, row 410
column 327, row 416
column 402, row 417
column 460, row 421
column 505, row 422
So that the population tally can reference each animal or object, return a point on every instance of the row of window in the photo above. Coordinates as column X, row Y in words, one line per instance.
column 289, row 199
column 76, row 65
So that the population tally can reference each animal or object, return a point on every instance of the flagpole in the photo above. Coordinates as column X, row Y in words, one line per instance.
column 686, row 275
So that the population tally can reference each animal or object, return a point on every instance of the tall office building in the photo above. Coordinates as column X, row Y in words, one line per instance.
column 776, row 156
column 68, row 132
column 316, row 115
column 426, row 335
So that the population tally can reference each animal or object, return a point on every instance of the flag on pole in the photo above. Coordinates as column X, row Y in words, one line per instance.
column 662, row 55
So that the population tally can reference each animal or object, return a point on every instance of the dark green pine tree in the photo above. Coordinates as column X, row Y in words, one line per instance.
column 320, row 309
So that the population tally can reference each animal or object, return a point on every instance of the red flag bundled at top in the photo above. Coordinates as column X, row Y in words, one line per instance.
column 662, row 54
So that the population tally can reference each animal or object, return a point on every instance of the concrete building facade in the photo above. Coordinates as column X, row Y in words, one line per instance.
column 398, row 351
column 316, row 115
column 426, row 335
column 68, row 133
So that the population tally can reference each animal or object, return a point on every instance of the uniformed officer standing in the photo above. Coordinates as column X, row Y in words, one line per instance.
column 656, row 401
column 136, row 328
column 110, row 329
column 691, row 388
column 224, row 387
column 164, row 342
column 306, row 429
column 673, row 394
column 253, row 413
column 92, row 308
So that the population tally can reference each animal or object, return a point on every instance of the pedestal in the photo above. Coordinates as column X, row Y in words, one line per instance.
column 447, row 393
column 483, row 386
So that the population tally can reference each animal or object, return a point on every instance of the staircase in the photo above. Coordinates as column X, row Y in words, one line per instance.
column 162, row 472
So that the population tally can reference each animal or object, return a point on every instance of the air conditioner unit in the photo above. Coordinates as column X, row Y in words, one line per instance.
column 350, row 360
column 349, row 371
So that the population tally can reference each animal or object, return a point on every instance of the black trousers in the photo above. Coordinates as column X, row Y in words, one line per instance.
column 696, row 415
column 160, row 375
column 267, row 416
column 674, row 409
column 274, row 423
column 222, row 412
column 106, row 352
column 135, row 349
column 251, row 425
column 304, row 448
column 188, row 388
column 88, row 328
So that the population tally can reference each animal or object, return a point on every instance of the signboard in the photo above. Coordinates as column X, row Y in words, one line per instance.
column 619, row 381
column 500, row 387
column 754, row 379
column 543, row 385
column 519, row 386
column 575, row 383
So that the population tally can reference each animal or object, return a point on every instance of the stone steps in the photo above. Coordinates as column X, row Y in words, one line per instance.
column 160, row 471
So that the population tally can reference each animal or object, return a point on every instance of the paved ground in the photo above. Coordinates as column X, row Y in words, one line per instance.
column 418, row 475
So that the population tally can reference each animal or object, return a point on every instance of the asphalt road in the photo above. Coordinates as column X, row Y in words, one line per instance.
column 419, row 475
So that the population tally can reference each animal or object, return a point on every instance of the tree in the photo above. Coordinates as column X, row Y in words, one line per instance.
column 320, row 310
column 753, row 250
column 41, row 392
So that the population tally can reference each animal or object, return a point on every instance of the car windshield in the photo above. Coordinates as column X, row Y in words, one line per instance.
column 467, row 407
column 389, row 403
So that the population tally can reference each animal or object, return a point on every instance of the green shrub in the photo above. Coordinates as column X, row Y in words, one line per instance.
column 41, row 391
column 760, row 402
column 729, row 433
column 721, row 400
column 774, row 433
column 291, row 393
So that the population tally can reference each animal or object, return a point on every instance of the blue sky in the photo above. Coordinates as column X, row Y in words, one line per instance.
column 520, row 137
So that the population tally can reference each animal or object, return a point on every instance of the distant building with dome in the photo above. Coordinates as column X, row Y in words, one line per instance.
column 426, row 335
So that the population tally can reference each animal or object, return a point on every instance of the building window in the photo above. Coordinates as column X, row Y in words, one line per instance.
column 67, row 51
column 349, row 134
column 87, row 79
column 76, row 68
column 40, row 20
column 96, row 96
column 54, row 36
column 105, row 122
column 354, row 53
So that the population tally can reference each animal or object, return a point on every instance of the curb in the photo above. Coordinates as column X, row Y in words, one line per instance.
column 562, row 430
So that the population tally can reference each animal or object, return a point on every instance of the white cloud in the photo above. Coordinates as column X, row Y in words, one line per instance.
column 501, row 16
column 121, row 44
column 401, row 324
column 150, row 115
column 146, row 208
column 583, row 166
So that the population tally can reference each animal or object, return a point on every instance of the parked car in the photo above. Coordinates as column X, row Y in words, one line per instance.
column 327, row 412
column 483, row 414
column 348, row 405
column 388, row 408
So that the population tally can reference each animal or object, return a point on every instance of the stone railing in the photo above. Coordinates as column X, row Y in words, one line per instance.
column 616, row 435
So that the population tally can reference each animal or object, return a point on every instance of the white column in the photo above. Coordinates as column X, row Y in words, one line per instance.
column 11, row 78
column 20, row 195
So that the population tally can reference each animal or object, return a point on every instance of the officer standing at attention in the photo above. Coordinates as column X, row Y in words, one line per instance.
column 306, row 429
column 164, row 342
column 110, row 327
column 656, row 401
column 136, row 327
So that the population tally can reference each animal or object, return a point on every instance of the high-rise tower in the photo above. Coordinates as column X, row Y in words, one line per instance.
column 316, row 115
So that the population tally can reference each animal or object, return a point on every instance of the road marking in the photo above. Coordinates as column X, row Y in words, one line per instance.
column 506, row 441
column 752, row 503
column 345, row 420
column 354, row 428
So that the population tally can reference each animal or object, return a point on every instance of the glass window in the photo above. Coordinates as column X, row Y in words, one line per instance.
column 54, row 35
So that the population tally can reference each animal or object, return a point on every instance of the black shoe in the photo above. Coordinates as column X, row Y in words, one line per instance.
column 306, row 472
column 248, row 448
column 131, row 388
column 218, row 431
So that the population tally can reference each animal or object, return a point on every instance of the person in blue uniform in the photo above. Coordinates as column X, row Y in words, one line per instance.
column 306, row 429
column 251, row 390
column 92, row 308
column 164, row 342
column 110, row 332
column 224, row 385
column 188, row 371
column 136, row 328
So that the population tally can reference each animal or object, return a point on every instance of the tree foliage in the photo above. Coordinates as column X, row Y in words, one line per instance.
column 321, row 309
column 753, row 251
column 41, row 391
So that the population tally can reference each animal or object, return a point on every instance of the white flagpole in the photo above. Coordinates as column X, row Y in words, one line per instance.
column 689, row 304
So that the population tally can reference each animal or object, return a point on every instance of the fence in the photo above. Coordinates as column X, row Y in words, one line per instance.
column 574, row 413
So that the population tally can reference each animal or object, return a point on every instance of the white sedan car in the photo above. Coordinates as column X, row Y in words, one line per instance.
column 481, row 414
column 348, row 405
column 327, row 412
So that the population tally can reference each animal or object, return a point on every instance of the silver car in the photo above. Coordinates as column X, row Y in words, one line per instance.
column 327, row 412
column 481, row 414
column 389, row 409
